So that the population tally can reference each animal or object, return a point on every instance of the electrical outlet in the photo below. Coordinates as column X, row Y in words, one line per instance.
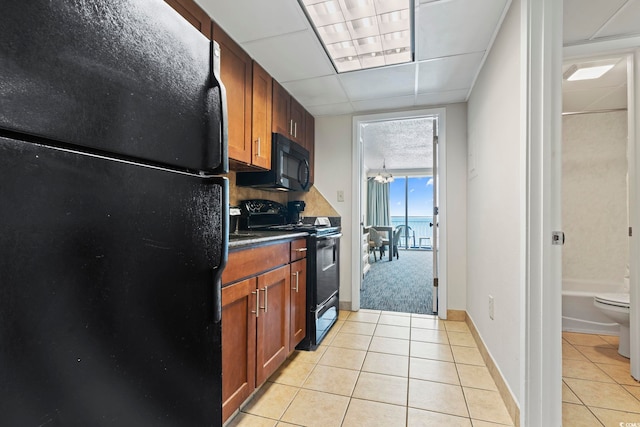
column 340, row 196
column 490, row 307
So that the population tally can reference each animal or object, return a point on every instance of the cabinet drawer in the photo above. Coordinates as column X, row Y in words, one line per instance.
column 298, row 249
column 251, row 262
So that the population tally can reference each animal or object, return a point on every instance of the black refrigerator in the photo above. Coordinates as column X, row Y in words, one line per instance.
column 113, row 216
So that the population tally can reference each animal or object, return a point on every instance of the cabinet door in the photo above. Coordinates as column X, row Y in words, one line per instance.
column 310, row 143
column 236, row 73
column 261, row 129
column 281, row 103
column 296, row 114
column 272, row 346
column 194, row 14
column 238, row 344
column 298, row 315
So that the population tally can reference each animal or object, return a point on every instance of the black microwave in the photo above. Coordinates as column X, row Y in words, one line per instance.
column 289, row 168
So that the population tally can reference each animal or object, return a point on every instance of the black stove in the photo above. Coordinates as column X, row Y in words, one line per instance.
column 259, row 214
column 318, row 230
column 323, row 261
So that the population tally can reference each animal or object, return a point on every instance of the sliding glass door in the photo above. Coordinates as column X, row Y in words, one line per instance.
column 411, row 206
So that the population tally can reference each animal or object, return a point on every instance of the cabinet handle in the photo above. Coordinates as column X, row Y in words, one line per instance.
column 297, row 274
column 301, row 250
column 258, row 142
column 295, row 130
column 290, row 127
column 265, row 298
column 257, row 294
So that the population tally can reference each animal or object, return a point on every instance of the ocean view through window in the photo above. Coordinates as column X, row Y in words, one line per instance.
column 411, row 206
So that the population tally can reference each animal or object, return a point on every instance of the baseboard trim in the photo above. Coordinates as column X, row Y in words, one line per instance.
column 503, row 389
column 344, row 305
column 457, row 315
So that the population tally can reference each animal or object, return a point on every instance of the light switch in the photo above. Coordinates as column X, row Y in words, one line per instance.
column 340, row 195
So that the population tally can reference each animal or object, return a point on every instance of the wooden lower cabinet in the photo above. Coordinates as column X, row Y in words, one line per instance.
column 238, row 344
column 298, row 311
column 272, row 339
column 263, row 316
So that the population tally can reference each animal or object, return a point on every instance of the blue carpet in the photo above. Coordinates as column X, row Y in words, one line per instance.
column 403, row 284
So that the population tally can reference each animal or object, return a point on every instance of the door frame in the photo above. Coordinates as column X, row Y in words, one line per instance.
column 356, row 185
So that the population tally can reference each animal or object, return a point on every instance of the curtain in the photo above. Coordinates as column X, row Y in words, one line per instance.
column 377, row 203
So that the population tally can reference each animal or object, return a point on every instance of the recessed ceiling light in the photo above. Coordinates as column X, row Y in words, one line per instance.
column 358, row 34
column 589, row 71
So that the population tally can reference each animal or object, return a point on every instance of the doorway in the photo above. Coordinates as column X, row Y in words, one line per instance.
column 608, row 176
column 403, row 175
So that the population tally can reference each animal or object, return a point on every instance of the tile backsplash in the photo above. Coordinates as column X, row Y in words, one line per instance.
column 236, row 194
column 316, row 203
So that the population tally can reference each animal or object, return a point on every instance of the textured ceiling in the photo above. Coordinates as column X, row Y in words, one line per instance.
column 402, row 144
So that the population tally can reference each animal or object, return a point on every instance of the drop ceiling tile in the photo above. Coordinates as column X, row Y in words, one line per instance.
column 615, row 99
column 586, row 100
column 455, row 27
column 442, row 98
column 294, row 56
column 384, row 103
column 583, row 18
column 446, row 74
column 247, row 20
column 330, row 109
column 380, row 82
column 625, row 23
column 317, row 91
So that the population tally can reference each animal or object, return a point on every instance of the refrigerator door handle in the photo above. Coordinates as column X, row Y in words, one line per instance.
column 224, row 251
column 216, row 82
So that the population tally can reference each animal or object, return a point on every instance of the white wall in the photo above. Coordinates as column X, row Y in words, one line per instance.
column 456, row 188
column 594, row 201
column 494, row 210
column 334, row 171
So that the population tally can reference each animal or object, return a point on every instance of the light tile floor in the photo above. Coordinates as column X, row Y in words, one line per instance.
column 382, row 369
column 597, row 388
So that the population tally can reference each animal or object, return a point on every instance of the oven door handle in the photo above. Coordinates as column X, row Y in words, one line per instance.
column 330, row 236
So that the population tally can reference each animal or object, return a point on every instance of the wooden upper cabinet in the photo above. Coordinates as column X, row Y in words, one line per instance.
column 281, row 108
column 194, row 14
column 261, row 117
column 288, row 114
column 236, row 73
column 310, row 143
column 297, row 115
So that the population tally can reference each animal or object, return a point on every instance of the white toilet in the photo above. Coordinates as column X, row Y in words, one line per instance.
column 616, row 308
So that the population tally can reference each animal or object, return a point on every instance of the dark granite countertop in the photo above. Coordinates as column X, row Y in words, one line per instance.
column 245, row 238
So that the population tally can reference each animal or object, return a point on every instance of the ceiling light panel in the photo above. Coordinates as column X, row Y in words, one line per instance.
column 589, row 73
column 590, row 70
column 361, row 34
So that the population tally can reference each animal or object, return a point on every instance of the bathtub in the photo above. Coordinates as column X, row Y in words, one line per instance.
column 580, row 315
